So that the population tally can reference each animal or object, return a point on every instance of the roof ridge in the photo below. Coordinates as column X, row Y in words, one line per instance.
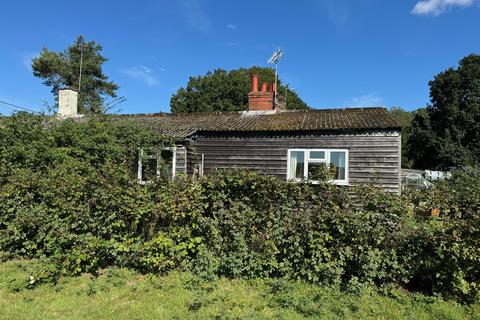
column 170, row 114
column 346, row 109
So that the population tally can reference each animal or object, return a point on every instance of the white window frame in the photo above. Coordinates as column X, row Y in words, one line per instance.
column 327, row 162
column 157, row 158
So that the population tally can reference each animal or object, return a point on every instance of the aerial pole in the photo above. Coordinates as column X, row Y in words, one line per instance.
column 81, row 65
column 275, row 58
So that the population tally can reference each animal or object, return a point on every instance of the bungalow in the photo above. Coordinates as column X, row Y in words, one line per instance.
column 364, row 144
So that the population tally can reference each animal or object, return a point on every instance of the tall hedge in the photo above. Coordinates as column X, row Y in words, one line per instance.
column 69, row 197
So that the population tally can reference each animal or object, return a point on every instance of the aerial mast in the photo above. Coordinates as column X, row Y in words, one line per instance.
column 274, row 59
column 81, row 65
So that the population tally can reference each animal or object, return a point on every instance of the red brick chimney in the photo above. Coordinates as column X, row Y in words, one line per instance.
column 254, row 83
column 263, row 100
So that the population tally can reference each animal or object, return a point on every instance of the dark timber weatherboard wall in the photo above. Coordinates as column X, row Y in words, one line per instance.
column 374, row 156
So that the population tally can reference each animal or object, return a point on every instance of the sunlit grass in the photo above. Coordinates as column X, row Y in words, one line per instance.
column 123, row 294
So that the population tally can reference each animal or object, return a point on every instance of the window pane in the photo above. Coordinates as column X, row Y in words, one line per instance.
column 338, row 160
column 317, row 155
column 317, row 171
column 166, row 164
column 297, row 164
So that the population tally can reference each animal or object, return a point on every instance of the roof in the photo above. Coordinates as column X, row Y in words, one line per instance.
column 408, row 172
column 185, row 124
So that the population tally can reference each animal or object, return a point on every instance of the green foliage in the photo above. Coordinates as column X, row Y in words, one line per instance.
column 222, row 90
column 69, row 196
column 405, row 118
column 67, row 189
column 62, row 69
column 449, row 244
column 448, row 131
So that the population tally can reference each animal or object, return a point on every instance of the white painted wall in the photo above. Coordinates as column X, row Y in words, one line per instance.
column 67, row 103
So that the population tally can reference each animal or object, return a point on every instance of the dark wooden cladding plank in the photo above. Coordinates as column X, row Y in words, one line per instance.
column 373, row 174
column 387, row 179
column 375, row 170
column 220, row 153
column 371, row 167
column 260, row 169
column 302, row 138
column 299, row 135
column 283, row 145
column 361, row 157
column 374, row 154
column 259, row 141
column 246, row 157
column 281, row 170
column 245, row 164
column 351, row 144
column 278, row 173
column 372, row 158
column 375, row 181
column 213, row 162
column 263, row 147
column 364, row 161
column 374, row 151
column 276, row 150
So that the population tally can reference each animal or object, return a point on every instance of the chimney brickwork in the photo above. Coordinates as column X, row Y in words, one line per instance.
column 263, row 100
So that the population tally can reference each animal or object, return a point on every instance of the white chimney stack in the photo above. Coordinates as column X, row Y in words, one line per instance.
column 67, row 103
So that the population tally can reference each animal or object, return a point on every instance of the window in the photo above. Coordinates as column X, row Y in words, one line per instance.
column 155, row 163
column 312, row 164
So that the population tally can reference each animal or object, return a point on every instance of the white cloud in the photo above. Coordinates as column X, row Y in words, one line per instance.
column 141, row 73
column 195, row 16
column 232, row 26
column 437, row 7
column 366, row 100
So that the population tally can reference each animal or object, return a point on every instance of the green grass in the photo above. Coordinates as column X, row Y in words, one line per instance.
column 122, row 294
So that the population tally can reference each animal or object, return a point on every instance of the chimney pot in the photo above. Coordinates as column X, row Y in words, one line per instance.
column 255, row 83
column 67, row 103
column 264, row 87
column 260, row 101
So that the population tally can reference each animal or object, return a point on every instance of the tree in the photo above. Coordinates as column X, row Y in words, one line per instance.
column 62, row 69
column 448, row 132
column 405, row 118
column 222, row 90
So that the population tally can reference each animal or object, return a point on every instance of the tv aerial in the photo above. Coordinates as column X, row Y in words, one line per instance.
column 274, row 59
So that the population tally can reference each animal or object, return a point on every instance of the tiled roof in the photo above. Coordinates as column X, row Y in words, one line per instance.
column 183, row 125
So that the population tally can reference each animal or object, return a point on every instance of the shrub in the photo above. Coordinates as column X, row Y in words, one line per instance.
column 68, row 196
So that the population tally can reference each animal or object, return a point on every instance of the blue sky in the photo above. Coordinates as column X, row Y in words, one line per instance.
column 338, row 53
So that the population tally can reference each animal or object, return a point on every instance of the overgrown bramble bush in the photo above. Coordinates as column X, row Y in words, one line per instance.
column 66, row 189
column 68, row 196
column 449, row 246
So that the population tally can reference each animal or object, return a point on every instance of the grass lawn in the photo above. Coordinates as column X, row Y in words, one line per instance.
column 122, row 294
